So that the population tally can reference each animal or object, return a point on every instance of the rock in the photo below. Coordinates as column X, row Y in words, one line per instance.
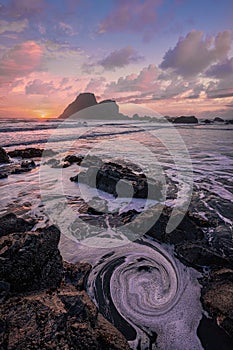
column 25, row 166
column 31, row 153
column 217, row 298
column 120, row 180
column 4, row 158
column 73, row 159
column 186, row 120
column 219, row 120
column 82, row 101
column 64, row 319
column 31, row 260
column 10, row 223
column 86, row 107
column 3, row 176
column 28, row 164
column 44, row 303
column 200, row 254
column 208, row 121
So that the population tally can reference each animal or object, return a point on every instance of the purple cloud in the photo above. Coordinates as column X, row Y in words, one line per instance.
column 194, row 53
column 221, row 70
column 120, row 58
column 131, row 15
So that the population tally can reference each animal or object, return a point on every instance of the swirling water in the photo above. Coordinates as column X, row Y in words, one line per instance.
column 140, row 286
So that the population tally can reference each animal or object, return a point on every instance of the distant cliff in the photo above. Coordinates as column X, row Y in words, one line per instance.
column 85, row 106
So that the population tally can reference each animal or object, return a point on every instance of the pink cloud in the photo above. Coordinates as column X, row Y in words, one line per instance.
column 20, row 60
column 38, row 87
column 120, row 58
column 95, row 84
column 144, row 81
column 194, row 53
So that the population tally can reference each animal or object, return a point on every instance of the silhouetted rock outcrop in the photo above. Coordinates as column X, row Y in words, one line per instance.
column 82, row 101
column 86, row 107
column 186, row 120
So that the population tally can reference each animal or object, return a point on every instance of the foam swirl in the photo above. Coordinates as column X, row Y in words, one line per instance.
column 149, row 296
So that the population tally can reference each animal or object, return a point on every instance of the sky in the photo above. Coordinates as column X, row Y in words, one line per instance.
column 174, row 57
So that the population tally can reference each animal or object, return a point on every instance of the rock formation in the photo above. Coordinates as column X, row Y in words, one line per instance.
column 43, row 304
column 85, row 106
column 186, row 120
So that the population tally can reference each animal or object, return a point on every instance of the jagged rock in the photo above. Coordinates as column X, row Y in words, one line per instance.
column 10, row 223
column 186, row 120
column 82, row 101
column 4, row 158
column 3, row 176
column 31, row 153
column 64, row 319
column 217, row 298
column 31, row 260
column 119, row 180
column 44, row 305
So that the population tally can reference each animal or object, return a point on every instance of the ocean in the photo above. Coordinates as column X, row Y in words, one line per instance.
column 193, row 164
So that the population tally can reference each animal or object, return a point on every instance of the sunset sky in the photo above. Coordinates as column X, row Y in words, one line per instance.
column 175, row 57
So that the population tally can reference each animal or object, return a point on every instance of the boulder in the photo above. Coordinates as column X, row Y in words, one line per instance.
column 185, row 120
column 4, row 158
column 120, row 180
column 31, row 260
column 217, row 297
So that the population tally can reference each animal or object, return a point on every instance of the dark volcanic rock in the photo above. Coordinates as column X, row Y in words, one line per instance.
column 31, row 153
column 217, row 298
column 120, row 180
column 186, row 120
column 10, row 223
column 3, row 176
column 4, row 158
column 31, row 260
column 83, row 100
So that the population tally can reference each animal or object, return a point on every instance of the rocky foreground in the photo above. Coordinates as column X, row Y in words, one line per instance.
column 43, row 301
column 44, row 304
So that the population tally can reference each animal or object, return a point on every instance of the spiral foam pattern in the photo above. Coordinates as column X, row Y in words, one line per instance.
column 149, row 296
